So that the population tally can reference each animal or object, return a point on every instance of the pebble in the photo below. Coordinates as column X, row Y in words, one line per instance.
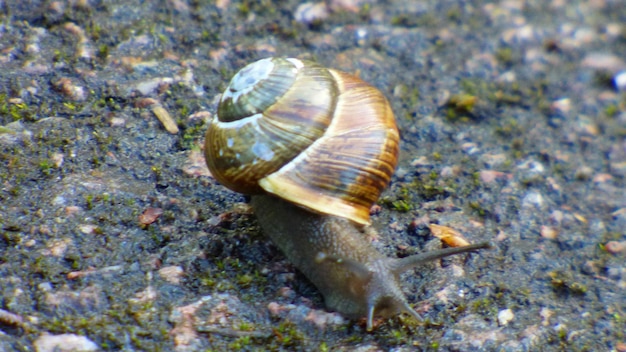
column 151, row 86
column 531, row 171
column 615, row 247
column 148, row 294
column 70, row 90
column 401, row 172
column 64, row 342
column 583, row 173
column 489, row 176
column 117, row 122
column 84, row 48
column 620, row 81
column 618, row 168
column 276, row 309
column 14, row 133
column 545, row 314
column 8, row 318
column 421, row 161
column 57, row 248
column 603, row 61
column 505, row 316
column 493, row 160
column 451, row 171
column 310, row 13
column 533, row 199
column 322, row 318
column 286, row 292
column 563, row 105
column 549, row 232
column 556, row 217
column 172, row 274
column 220, row 312
column 601, row 178
column 470, row 148
column 195, row 165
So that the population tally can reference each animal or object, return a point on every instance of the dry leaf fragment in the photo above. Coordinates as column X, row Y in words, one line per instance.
column 549, row 232
column 150, row 215
column 448, row 235
column 165, row 118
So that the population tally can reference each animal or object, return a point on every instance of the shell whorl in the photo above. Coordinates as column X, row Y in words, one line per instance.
column 317, row 137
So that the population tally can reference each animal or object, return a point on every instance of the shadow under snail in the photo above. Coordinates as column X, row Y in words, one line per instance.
column 315, row 147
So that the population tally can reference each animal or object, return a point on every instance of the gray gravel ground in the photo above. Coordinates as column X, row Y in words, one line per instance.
column 113, row 236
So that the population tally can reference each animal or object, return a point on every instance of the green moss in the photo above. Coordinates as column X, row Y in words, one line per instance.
column 486, row 306
column 103, row 51
column 611, row 110
column 115, row 328
column 401, row 206
column 433, row 175
column 243, row 8
column 17, row 111
column 240, row 343
column 502, row 97
column 564, row 282
column 429, row 187
column 460, row 107
column 244, row 280
column 508, row 128
column 323, row 347
column 46, row 166
column 70, row 106
column 478, row 208
column 156, row 171
column 454, row 13
column 287, row 335
column 191, row 135
column 505, row 56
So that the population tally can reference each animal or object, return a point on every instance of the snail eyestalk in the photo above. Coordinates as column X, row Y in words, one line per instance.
column 403, row 264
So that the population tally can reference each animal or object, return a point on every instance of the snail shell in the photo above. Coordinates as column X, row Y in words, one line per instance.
column 316, row 137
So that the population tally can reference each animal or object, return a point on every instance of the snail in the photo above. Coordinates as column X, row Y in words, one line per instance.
column 314, row 148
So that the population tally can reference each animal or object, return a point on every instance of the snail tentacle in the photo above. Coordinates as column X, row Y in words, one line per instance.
column 401, row 265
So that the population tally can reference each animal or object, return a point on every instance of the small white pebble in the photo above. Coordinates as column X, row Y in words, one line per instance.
column 549, row 232
column 563, row 105
column 533, row 199
column 172, row 274
column 117, row 122
column 620, row 81
column 505, row 316
column 470, row 148
column 87, row 229
column 309, row 13
column 545, row 314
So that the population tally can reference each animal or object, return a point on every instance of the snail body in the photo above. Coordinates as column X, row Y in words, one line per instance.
column 314, row 148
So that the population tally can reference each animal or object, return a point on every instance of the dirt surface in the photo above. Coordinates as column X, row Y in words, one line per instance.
column 113, row 236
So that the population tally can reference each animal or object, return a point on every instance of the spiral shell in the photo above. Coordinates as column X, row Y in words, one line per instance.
column 319, row 138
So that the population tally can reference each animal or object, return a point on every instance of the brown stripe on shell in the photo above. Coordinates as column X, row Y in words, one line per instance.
column 344, row 172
